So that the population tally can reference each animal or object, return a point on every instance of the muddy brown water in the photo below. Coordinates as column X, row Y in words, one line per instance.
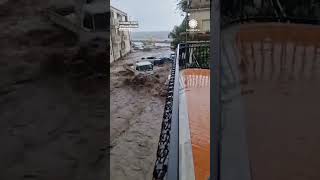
column 136, row 117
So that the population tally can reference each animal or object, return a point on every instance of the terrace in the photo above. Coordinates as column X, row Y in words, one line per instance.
column 263, row 108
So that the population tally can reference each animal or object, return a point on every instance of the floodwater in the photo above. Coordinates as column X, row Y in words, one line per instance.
column 136, row 117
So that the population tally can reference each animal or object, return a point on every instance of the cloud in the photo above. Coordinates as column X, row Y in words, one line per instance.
column 153, row 15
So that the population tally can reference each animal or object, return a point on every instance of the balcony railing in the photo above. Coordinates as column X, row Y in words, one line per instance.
column 191, row 55
column 194, row 55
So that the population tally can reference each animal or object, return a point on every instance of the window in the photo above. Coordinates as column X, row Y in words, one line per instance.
column 87, row 21
column 144, row 68
column 119, row 17
column 206, row 25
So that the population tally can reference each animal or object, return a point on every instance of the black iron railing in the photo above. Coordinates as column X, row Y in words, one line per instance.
column 192, row 55
column 261, row 19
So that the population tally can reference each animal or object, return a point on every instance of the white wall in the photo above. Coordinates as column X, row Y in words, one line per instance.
column 119, row 51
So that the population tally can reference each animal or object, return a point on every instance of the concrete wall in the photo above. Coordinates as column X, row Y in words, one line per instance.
column 111, row 52
column 127, row 44
column 120, row 40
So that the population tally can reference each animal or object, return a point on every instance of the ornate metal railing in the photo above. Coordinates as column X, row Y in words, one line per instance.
column 168, row 146
column 191, row 55
column 194, row 55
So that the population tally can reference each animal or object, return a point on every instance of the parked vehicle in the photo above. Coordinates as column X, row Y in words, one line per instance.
column 172, row 56
column 153, row 60
column 166, row 59
column 138, row 47
column 158, row 61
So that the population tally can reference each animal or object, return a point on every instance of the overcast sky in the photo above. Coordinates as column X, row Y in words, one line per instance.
column 153, row 15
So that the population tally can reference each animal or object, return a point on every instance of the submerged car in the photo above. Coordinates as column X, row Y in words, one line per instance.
column 158, row 61
column 166, row 59
column 144, row 67
column 172, row 56
column 153, row 60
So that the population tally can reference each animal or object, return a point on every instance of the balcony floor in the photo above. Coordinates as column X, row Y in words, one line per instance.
column 195, row 95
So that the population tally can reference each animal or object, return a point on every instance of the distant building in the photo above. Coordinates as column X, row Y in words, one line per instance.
column 120, row 44
column 199, row 10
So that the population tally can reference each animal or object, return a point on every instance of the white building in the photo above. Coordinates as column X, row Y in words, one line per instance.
column 120, row 43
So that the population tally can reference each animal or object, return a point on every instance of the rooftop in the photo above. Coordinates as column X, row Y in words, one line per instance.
column 118, row 10
column 143, row 63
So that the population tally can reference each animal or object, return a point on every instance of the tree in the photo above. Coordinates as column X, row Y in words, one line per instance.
column 182, row 5
column 176, row 34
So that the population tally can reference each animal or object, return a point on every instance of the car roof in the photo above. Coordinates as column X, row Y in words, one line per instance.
column 143, row 63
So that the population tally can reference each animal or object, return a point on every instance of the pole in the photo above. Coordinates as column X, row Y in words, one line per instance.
column 215, row 88
column 187, row 18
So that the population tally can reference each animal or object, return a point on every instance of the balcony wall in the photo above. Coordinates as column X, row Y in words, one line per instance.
column 203, row 18
column 195, row 4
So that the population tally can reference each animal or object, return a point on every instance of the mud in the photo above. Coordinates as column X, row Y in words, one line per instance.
column 137, row 104
column 52, row 125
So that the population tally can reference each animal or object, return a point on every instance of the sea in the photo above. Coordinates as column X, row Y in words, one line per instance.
column 147, row 35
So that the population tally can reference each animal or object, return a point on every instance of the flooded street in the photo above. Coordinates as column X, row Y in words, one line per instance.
column 136, row 117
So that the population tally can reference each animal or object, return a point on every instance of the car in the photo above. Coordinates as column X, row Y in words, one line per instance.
column 172, row 56
column 144, row 67
column 151, row 57
column 158, row 61
column 166, row 59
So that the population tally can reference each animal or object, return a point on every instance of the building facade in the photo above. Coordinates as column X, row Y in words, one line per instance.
column 199, row 10
column 120, row 43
